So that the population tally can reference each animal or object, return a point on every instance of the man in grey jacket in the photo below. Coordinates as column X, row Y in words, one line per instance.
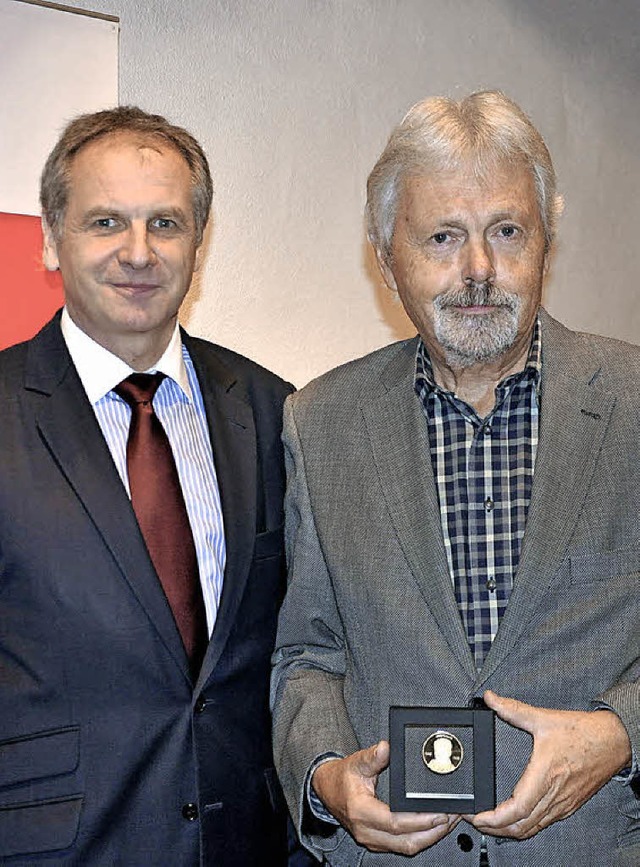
column 463, row 522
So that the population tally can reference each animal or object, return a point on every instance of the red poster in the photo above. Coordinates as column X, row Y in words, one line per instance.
column 57, row 65
column 29, row 294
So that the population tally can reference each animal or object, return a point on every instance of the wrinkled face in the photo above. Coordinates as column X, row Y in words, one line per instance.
column 468, row 259
column 127, row 246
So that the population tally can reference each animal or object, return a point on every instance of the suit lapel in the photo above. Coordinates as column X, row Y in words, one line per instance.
column 575, row 411
column 68, row 427
column 399, row 441
column 233, row 439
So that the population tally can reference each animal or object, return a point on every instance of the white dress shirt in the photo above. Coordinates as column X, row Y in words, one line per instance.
column 179, row 406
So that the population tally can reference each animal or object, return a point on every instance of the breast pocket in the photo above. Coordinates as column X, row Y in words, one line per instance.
column 269, row 544
column 32, row 825
column 605, row 566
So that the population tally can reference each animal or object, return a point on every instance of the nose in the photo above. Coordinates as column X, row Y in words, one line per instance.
column 137, row 250
column 478, row 262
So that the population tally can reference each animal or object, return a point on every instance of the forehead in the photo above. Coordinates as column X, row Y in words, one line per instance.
column 125, row 165
column 465, row 191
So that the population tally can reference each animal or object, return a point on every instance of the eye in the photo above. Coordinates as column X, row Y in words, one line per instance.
column 163, row 223
column 440, row 237
column 507, row 231
column 105, row 223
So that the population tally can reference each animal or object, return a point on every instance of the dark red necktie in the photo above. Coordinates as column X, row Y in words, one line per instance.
column 158, row 502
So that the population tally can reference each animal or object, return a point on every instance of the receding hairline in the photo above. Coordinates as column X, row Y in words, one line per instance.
column 485, row 172
column 141, row 140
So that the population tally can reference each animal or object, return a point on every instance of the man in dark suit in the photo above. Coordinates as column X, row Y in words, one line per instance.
column 134, row 721
column 462, row 521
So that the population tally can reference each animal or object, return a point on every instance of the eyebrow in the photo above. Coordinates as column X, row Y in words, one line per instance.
column 495, row 217
column 107, row 210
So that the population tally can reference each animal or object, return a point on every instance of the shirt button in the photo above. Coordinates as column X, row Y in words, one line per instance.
column 491, row 584
column 487, row 431
column 465, row 842
column 488, row 504
column 200, row 705
column 190, row 812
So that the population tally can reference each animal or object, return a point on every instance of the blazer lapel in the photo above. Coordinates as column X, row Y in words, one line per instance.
column 69, row 429
column 400, row 445
column 575, row 411
column 233, row 440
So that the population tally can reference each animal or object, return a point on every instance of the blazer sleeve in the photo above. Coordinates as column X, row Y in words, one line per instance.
column 309, row 713
column 624, row 699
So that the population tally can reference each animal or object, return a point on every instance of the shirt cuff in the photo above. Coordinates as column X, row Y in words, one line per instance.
column 314, row 803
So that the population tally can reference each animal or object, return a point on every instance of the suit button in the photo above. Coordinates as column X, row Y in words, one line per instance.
column 201, row 704
column 190, row 812
column 465, row 842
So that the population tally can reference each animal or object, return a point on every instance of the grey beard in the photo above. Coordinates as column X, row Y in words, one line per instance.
column 471, row 339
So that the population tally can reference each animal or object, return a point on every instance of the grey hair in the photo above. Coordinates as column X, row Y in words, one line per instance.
column 86, row 128
column 439, row 134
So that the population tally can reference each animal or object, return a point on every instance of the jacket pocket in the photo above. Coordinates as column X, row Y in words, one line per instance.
column 44, row 754
column 603, row 566
column 269, row 544
column 42, row 826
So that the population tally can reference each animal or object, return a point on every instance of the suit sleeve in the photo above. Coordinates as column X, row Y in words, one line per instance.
column 310, row 716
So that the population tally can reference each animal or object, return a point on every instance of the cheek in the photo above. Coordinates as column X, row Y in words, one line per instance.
column 436, row 280
column 87, row 260
column 525, row 265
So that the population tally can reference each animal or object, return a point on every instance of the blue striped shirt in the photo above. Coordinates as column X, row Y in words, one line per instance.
column 179, row 406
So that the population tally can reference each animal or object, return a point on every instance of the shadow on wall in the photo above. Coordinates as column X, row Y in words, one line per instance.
column 387, row 302
column 610, row 29
column 195, row 292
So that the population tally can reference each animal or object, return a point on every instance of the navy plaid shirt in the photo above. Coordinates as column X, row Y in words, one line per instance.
column 483, row 468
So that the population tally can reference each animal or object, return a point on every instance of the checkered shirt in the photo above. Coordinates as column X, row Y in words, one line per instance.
column 483, row 468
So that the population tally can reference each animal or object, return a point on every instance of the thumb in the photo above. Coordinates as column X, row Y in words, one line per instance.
column 516, row 713
column 373, row 760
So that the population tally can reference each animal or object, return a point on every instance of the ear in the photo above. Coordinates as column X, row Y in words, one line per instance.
column 197, row 262
column 49, row 248
column 385, row 270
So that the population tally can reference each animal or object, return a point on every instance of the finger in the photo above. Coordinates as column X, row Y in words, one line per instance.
column 408, row 842
column 516, row 713
column 520, row 806
column 521, row 829
column 373, row 760
column 505, row 815
column 530, row 808
column 398, row 824
column 368, row 811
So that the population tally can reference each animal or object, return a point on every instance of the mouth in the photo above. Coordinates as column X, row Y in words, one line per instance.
column 135, row 288
column 475, row 309
column 477, row 300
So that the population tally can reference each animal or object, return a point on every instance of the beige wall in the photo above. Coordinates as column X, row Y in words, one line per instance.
column 293, row 101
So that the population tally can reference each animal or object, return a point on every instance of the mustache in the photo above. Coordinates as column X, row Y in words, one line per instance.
column 476, row 295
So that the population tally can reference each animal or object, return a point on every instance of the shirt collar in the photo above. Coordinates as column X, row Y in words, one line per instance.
column 100, row 370
column 424, row 368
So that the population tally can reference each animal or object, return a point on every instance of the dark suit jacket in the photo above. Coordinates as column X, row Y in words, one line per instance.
column 109, row 754
column 371, row 619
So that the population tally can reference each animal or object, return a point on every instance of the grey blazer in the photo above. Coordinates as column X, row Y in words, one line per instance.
column 370, row 617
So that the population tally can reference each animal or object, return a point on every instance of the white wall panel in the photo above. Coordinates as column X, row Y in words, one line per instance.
column 53, row 64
